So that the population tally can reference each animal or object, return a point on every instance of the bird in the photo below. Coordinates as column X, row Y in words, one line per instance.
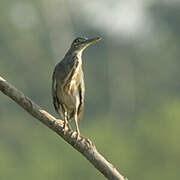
column 68, row 87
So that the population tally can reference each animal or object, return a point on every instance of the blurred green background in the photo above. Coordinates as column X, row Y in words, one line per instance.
column 132, row 77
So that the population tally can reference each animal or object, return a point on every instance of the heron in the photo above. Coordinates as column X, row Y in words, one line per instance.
column 68, row 88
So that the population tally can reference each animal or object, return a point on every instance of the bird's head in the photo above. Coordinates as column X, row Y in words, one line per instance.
column 79, row 44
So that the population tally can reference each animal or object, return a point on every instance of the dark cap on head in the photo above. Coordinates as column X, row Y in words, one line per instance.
column 81, row 43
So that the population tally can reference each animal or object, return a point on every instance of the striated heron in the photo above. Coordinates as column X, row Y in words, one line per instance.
column 68, row 83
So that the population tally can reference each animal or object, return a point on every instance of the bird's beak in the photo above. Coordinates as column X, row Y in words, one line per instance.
column 91, row 41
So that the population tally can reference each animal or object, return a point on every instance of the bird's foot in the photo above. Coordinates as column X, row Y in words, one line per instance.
column 87, row 141
column 75, row 135
column 66, row 127
column 64, row 130
column 81, row 138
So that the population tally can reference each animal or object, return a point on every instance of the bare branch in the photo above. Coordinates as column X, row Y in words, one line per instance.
column 86, row 149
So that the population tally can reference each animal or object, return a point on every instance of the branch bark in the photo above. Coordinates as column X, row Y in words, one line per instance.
column 87, row 149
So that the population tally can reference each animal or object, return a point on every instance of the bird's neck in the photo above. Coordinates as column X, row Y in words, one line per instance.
column 75, row 64
column 77, row 54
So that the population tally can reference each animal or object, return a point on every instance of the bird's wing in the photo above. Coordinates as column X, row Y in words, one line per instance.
column 54, row 92
column 81, row 90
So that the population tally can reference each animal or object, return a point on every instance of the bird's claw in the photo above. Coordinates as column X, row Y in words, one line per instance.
column 77, row 135
column 64, row 130
column 66, row 127
column 87, row 141
column 81, row 138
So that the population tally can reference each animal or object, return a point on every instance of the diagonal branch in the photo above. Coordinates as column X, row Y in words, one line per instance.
column 87, row 149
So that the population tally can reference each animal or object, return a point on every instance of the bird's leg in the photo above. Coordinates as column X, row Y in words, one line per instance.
column 66, row 124
column 77, row 126
column 78, row 132
column 69, row 126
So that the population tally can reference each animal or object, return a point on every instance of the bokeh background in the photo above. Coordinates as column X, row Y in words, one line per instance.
column 132, row 76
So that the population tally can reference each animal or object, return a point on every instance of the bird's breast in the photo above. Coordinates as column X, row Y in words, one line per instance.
column 71, row 84
column 70, row 93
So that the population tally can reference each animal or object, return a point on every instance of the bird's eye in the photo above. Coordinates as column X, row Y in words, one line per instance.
column 78, row 40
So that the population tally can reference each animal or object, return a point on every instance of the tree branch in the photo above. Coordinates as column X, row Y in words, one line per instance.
column 87, row 149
